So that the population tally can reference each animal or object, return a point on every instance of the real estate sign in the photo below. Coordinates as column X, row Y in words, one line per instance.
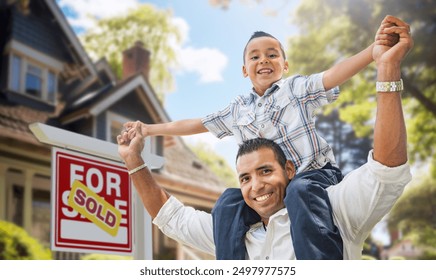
column 91, row 204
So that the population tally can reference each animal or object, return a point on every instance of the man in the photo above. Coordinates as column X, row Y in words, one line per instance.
column 358, row 202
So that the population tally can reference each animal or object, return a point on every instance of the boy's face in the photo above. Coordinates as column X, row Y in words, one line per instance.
column 264, row 63
column 263, row 181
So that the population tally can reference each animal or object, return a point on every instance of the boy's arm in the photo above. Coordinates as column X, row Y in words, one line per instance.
column 344, row 70
column 176, row 128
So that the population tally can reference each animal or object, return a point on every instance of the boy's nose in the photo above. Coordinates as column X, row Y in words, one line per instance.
column 264, row 59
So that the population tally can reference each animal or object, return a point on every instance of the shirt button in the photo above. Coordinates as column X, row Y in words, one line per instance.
column 260, row 104
column 262, row 126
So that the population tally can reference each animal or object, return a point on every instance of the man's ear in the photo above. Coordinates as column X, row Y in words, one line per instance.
column 290, row 169
column 244, row 71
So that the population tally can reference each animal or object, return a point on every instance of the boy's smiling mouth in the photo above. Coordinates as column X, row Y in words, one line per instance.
column 265, row 71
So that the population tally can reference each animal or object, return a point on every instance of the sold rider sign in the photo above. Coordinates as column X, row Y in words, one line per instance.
column 91, row 204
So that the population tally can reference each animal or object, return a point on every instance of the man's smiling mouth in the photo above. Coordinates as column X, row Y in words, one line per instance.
column 263, row 197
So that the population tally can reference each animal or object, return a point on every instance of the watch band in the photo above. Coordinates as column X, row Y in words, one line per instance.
column 389, row 86
column 136, row 169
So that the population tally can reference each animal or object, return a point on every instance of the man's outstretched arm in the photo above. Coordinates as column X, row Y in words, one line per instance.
column 390, row 139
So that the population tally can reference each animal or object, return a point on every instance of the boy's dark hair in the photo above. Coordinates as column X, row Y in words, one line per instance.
column 256, row 144
column 258, row 34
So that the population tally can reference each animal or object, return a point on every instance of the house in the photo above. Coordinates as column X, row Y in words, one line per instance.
column 47, row 76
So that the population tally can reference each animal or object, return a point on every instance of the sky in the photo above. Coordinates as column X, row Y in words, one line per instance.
column 210, row 74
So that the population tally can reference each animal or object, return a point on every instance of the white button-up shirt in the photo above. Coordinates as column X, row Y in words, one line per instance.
column 359, row 202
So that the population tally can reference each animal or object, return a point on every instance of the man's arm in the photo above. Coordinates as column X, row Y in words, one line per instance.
column 176, row 128
column 181, row 223
column 390, row 130
column 152, row 195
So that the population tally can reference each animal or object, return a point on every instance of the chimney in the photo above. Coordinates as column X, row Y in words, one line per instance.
column 136, row 60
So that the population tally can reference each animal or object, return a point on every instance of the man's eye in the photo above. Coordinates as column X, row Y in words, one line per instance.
column 243, row 180
column 266, row 171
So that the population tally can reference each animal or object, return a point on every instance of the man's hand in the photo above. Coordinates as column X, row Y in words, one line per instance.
column 131, row 144
column 392, row 29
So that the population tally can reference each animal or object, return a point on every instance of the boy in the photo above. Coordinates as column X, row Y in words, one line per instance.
column 281, row 110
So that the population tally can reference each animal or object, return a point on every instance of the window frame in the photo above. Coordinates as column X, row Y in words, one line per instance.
column 25, row 65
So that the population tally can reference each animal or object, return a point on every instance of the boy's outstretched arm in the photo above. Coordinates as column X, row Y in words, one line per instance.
column 344, row 70
column 176, row 128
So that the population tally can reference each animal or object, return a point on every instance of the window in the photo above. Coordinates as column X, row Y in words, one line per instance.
column 32, row 79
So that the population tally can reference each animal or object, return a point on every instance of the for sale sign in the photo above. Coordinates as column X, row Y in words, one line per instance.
column 91, row 204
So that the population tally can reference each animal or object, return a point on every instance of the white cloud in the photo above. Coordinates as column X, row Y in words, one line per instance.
column 208, row 63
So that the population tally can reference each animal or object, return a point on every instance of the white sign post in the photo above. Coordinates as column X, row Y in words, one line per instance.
column 92, row 198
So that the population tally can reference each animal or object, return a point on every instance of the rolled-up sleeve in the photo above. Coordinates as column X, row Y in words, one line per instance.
column 186, row 225
column 219, row 123
column 365, row 196
column 310, row 90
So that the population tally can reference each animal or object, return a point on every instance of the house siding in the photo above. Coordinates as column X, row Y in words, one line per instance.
column 39, row 32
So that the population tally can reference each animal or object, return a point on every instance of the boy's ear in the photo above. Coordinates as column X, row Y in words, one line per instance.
column 286, row 68
column 244, row 71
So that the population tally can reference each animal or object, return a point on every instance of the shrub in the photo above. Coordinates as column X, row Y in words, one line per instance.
column 17, row 244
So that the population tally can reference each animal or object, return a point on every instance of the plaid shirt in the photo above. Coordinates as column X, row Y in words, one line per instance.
column 283, row 114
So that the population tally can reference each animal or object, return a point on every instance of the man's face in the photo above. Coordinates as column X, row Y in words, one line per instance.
column 264, row 63
column 263, row 181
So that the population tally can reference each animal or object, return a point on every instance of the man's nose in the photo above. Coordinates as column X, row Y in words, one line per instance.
column 257, row 184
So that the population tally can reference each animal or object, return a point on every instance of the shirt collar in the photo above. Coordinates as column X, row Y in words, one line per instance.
column 282, row 212
column 270, row 90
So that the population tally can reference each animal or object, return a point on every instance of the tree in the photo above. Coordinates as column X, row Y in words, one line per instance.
column 414, row 214
column 153, row 27
column 334, row 29
column 350, row 151
column 216, row 163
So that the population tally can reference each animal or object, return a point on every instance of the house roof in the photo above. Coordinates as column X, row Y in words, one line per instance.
column 69, row 33
column 15, row 120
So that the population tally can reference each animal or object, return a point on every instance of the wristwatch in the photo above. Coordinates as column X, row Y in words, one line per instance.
column 389, row 86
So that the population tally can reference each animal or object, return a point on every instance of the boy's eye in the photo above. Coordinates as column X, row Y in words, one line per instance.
column 254, row 57
column 272, row 56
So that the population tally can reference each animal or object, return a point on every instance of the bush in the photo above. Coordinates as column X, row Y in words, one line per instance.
column 17, row 244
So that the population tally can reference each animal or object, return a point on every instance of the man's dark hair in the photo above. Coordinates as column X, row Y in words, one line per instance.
column 256, row 144
column 258, row 34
